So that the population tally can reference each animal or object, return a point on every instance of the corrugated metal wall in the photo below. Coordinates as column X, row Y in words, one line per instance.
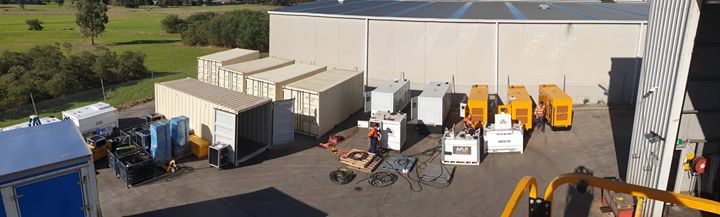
column 598, row 61
column 231, row 80
column 671, row 33
column 316, row 113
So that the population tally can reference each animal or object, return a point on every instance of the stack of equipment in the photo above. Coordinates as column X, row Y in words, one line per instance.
column 179, row 136
column 160, row 147
column 117, row 153
column 135, row 167
column 558, row 105
column 503, row 135
column 198, row 146
column 98, row 145
column 461, row 148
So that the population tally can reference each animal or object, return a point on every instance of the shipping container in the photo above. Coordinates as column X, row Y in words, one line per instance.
column 90, row 117
column 325, row 100
column 390, row 96
column 209, row 65
column 434, row 103
column 520, row 105
column 269, row 84
column 558, row 105
column 477, row 105
column 48, row 171
column 233, row 76
column 249, row 123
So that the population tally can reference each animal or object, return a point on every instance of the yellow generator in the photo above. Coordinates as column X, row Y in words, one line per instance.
column 520, row 105
column 477, row 105
column 558, row 105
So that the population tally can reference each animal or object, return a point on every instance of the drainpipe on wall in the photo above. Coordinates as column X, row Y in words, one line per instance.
column 497, row 58
column 367, row 44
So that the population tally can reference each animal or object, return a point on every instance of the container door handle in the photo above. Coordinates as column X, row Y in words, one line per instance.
column 17, row 197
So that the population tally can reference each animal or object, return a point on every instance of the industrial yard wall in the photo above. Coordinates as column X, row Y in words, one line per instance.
column 587, row 57
column 318, row 111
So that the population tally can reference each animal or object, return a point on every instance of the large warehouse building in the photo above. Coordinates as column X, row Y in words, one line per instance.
column 593, row 50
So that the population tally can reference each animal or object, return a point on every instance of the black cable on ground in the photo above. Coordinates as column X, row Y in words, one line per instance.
column 342, row 176
column 381, row 179
column 358, row 155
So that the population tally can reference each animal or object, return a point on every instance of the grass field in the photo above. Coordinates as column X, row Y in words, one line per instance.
column 128, row 29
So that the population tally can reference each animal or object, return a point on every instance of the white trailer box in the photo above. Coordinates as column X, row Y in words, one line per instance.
column 269, row 84
column 209, row 65
column 393, row 129
column 90, row 117
column 43, row 121
column 233, row 76
column 47, row 170
column 434, row 103
column 461, row 148
column 249, row 124
column 503, row 135
column 391, row 96
column 325, row 100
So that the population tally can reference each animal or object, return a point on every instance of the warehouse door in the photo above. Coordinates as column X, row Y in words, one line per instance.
column 226, row 130
column 57, row 196
column 283, row 131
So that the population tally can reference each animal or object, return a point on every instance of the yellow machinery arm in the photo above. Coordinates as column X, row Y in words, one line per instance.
column 542, row 206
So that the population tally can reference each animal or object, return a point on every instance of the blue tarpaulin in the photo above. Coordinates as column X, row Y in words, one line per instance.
column 179, row 137
column 160, row 147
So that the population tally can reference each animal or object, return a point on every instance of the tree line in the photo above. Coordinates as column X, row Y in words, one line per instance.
column 45, row 71
column 244, row 28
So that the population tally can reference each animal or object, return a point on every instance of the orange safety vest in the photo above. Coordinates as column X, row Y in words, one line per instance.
column 373, row 133
column 540, row 111
column 468, row 121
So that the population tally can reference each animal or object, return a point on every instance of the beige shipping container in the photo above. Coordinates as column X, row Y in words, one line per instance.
column 325, row 100
column 233, row 76
column 269, row 84
column 209, row 65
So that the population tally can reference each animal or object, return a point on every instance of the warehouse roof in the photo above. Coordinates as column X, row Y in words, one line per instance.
column 39, row 146
column 228, row 54
column 228, row 99
column 288, row 73
column 485, row 10
column 324, row 80
column 259, row 65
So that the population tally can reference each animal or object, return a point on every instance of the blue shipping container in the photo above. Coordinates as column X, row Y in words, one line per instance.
column 160, row 147
column 179, row 137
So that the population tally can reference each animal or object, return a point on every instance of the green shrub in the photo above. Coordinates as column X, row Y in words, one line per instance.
column 244, row 28
column 173, row 24
column 34, row 24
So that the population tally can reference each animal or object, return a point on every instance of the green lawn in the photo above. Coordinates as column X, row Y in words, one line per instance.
column 128, row 29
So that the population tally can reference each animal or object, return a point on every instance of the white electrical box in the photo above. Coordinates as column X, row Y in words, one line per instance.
column 393, row 129
column 503, row 136
column 391, row 96
column 88, row 118
column 461, row 148
column 434, row 103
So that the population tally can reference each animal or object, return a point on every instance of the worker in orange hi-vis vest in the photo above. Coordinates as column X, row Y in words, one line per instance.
column 468, row 122
column 540, row 116
column 373, row 135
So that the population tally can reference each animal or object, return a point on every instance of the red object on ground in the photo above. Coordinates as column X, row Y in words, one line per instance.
column 698, row 164
column 333, row 141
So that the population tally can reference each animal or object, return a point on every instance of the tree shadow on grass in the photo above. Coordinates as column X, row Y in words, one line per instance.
column 143, row 42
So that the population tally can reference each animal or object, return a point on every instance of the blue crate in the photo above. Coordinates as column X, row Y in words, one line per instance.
column 160, row 146
column 179, row 138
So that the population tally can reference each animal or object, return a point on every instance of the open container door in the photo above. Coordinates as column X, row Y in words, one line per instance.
column 367, row 101
column 282, row 121
column 414, row 108
column 226, row 131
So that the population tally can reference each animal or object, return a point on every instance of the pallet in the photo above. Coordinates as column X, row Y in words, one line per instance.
column 357, row 163
column 369, row 168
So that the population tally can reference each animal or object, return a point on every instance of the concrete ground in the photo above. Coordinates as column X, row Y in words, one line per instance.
column 292, row 179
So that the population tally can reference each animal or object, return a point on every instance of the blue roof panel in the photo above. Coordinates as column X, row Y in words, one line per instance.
column 38, row 146
column 476, row 10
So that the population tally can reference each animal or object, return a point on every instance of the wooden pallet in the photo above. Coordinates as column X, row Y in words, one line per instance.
column 369, row 168
column 357, row 163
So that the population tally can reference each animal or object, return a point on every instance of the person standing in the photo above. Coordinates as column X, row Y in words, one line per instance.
column 373, row 135
column 540, row 116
